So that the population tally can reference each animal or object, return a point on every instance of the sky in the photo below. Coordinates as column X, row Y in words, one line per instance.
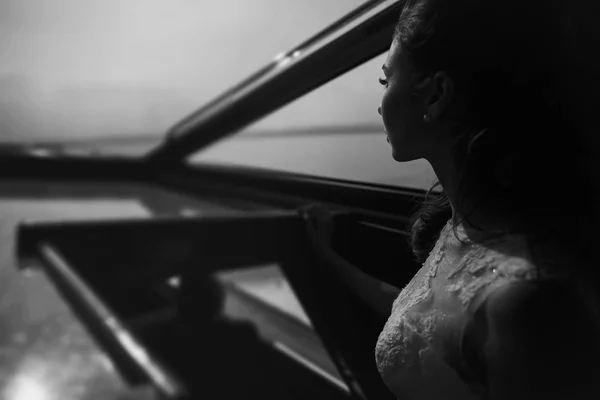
column 84, row 69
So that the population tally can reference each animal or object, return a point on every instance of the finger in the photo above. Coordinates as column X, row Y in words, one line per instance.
column 308, row 214
column 320, row 210
column 314, row 211
column 307, row 210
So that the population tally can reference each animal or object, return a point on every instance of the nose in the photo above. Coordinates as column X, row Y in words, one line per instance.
column 379, row 110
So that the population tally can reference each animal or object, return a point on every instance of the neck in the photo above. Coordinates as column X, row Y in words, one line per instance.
column 448, row 173
column 483, row 214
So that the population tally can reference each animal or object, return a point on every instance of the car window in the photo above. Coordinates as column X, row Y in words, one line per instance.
column 113, row 71
column 333, row 132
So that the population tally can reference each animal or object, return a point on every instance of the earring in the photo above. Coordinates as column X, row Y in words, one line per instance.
column 426, row 117
column 474, row 138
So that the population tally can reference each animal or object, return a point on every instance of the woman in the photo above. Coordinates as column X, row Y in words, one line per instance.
column 505, row 305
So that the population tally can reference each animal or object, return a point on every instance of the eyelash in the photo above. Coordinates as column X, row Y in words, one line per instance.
column 383, row 82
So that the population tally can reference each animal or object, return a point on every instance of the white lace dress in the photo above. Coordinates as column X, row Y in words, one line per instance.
column 422, row 352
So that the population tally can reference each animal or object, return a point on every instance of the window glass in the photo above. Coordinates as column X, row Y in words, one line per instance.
column 334, row 132
column 104, row 70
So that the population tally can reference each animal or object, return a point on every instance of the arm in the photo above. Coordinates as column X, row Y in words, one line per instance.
column 377, row 294
column 539, row 344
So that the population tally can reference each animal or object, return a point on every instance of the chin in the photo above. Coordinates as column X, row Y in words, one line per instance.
column 403, row 151
column 403, row 156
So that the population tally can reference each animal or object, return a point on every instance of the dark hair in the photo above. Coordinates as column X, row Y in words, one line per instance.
column 508, row 63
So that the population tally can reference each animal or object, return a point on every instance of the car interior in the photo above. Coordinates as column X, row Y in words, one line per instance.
column 174, row 276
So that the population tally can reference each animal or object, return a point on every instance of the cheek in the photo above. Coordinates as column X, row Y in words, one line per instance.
column 387, row 111
column 394, row 111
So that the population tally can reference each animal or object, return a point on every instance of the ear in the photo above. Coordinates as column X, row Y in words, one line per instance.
column 438, row 95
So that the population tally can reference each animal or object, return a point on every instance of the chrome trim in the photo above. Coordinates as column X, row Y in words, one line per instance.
column 359, row 36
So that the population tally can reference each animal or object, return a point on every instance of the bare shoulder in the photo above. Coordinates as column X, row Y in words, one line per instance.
column 532, row 305
column 541, row 339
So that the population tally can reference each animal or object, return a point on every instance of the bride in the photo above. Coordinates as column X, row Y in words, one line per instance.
column 505, row 305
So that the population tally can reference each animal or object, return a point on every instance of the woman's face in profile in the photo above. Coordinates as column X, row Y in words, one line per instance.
column 402, row 108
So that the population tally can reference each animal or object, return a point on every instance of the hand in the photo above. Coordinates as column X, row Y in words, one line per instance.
column 319, row 224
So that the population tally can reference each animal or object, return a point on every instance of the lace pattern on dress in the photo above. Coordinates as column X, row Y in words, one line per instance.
column 406, row 332
column 425, row 324
column 501, row 260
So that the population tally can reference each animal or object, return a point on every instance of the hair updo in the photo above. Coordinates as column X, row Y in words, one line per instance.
column 517, row 142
